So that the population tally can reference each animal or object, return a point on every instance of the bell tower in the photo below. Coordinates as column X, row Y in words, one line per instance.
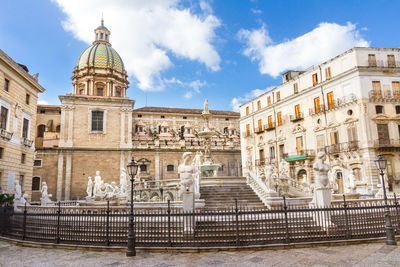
column 102, row 34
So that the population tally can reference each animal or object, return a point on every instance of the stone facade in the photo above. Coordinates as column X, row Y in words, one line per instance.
column 348, row 107
column 96, row 128
column 18, row 101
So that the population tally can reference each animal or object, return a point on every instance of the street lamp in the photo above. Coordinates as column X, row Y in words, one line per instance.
column 381, row 164
column 131, row 248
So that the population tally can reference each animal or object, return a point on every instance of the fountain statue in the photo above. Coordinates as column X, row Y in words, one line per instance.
column 208, row 168
column 19, row 198
column 322, row 191
column 89, row 189
column 45, row 199
column 123, row 183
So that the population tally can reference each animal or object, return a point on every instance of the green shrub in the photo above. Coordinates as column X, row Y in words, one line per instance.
column 6, row 199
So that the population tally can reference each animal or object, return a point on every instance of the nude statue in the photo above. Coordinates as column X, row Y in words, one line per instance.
column 18, row 190
column 89, row 188
column 321, row 171
column 98, row 184
column 186, row 172
column 123, row 182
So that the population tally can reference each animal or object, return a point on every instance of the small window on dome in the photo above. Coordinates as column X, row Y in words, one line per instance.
column 118, row 92
column 107, row 37
column 100, row 91
column 101, row 35
column 81, row 92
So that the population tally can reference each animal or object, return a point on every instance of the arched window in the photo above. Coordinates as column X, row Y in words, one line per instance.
column 357, row 174
column 40, row 130
column 226, row 130
column 36, row 183
column 58, row 128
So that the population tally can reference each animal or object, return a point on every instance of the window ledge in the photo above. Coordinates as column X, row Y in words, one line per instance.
column 97, row 132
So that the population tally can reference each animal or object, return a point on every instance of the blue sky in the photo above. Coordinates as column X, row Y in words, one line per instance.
column 180, row 52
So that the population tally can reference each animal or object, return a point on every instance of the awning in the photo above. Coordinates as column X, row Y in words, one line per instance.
column 297, row 157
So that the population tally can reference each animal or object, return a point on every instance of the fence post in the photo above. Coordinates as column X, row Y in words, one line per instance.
column 58, row 222
column 397, row 213
column 285, row 208
column 237, row 222
column 24, row 224
column 108, row 224
column 169, row 224
column 346, row 217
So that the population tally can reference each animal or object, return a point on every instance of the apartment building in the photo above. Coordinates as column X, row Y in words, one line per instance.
column 18, row 101
column 348, row 106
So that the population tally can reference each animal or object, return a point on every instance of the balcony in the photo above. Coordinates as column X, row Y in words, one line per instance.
column 6, row 135
column 259, row 130
column 333, row 149
column 270, row 126
column 316, row 111
column 382, row 143
column 384, row 96
column 383, row 63
column 297, row 117
column 26, row 142
column 300, row 154
column 342, row 147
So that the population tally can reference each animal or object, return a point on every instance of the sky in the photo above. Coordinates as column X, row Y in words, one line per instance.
column 179, row 52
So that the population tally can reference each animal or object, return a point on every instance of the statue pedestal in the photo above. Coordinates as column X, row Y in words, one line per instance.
column 322, row 199
column 188, row 206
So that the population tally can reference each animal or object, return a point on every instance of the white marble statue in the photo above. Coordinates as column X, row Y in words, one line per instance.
column 111, row 190
column 45, row 199
column 123, row 183
column 18, row 190
column 249, row 160
column 321, row 171
column 284, row 169
column 89, row 188
column 205, row 109
column 186, row 172
column 19, row 198
column 98, row 184
column 197, row 173
column 269, row 178
column 352, row 182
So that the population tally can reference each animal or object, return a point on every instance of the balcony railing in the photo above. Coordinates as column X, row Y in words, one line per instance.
column 5, row 134
column 248, row 134
column 387, row 143
column 316, row 111
column 270, row 126
column 343, row 147
column 297, row 117
column 385, row 95
column 26, row 142
column 383, row 63
column 308, row 152
column 258, row 130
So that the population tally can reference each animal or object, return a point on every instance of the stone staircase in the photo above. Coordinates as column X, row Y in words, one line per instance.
column 221, row 197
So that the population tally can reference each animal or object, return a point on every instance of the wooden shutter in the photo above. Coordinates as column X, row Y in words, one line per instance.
column 331, row 102
column 376, row 86
column 279, row 115
column 317, row 105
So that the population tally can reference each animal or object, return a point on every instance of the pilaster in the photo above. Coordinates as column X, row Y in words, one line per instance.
column 60, row 170
column 68, row 165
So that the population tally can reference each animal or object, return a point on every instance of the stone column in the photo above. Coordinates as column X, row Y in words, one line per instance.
column 62, row 130
column 123, row 126
column 70, row 125
column 129, row 141
column 92, row 88
column 157, row 166
column 60, row 171
column 68, row 165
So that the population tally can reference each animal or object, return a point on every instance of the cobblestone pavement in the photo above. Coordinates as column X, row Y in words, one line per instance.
column 374, row 254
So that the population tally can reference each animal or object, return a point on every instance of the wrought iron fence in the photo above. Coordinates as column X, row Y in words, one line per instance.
column 237, row 226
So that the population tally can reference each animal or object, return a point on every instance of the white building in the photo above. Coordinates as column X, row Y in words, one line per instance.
column 348, row 107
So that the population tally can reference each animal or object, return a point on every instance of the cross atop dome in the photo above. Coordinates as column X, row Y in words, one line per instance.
column 102, row 34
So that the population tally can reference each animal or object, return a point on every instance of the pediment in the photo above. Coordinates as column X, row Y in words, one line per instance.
column 298, row 129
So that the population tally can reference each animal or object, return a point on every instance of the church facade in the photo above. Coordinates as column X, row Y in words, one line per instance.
column 97, row 128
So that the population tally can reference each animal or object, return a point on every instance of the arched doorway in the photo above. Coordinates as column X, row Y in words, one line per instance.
column 302, row 176
column 339, row 182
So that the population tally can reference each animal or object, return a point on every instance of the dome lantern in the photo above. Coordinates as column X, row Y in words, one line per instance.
column 102, row 34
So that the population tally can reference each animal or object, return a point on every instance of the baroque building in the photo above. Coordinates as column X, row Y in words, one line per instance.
column 97, row 128
column 348, row 106
column 18, row 100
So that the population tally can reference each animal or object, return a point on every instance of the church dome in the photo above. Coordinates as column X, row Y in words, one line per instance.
column 101, row 55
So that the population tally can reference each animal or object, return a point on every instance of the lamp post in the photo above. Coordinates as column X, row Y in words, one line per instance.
column 381, row 163
column 131, row 248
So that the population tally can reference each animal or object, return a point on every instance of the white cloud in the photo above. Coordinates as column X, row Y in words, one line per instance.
column 237, row 101
column 144, row 32
column 256, row 11
column 324, row 42
column 194, row 86
column 42, row 102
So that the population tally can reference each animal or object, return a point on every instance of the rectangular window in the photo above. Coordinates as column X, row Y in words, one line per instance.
column 270, row 121
column 279, row 118
column 21, row 180
column 247, row 129
column 281, row 151
column 331, row 101
column 383, row 134
column 99, row 92
column 297, row 111
column 352, row 134
column 27, row 99
column 170, row 168
column 97, row 120
column 378, row 109
column 391, row 61
column 162, row 117
column 268, row 100
column 334, row 138
column 372, row 60
column 328, row 75
column 37, row 163
column 296, row 88
column 272, row 152
column 320, row 142
column 299, row 145
column 376, row 86
column 23, row 158
column 396, row 89
column 184, row 117
column 35, row 183
column 247, row 111
column 118, row 92
column 258, row 104
column 314, row 79
column 6, row 85
column 278, row 96
column 259, row 125
column 3, row 118
column 25, row 128
column 1, row 153
column 397, row 109
column 317, row 105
